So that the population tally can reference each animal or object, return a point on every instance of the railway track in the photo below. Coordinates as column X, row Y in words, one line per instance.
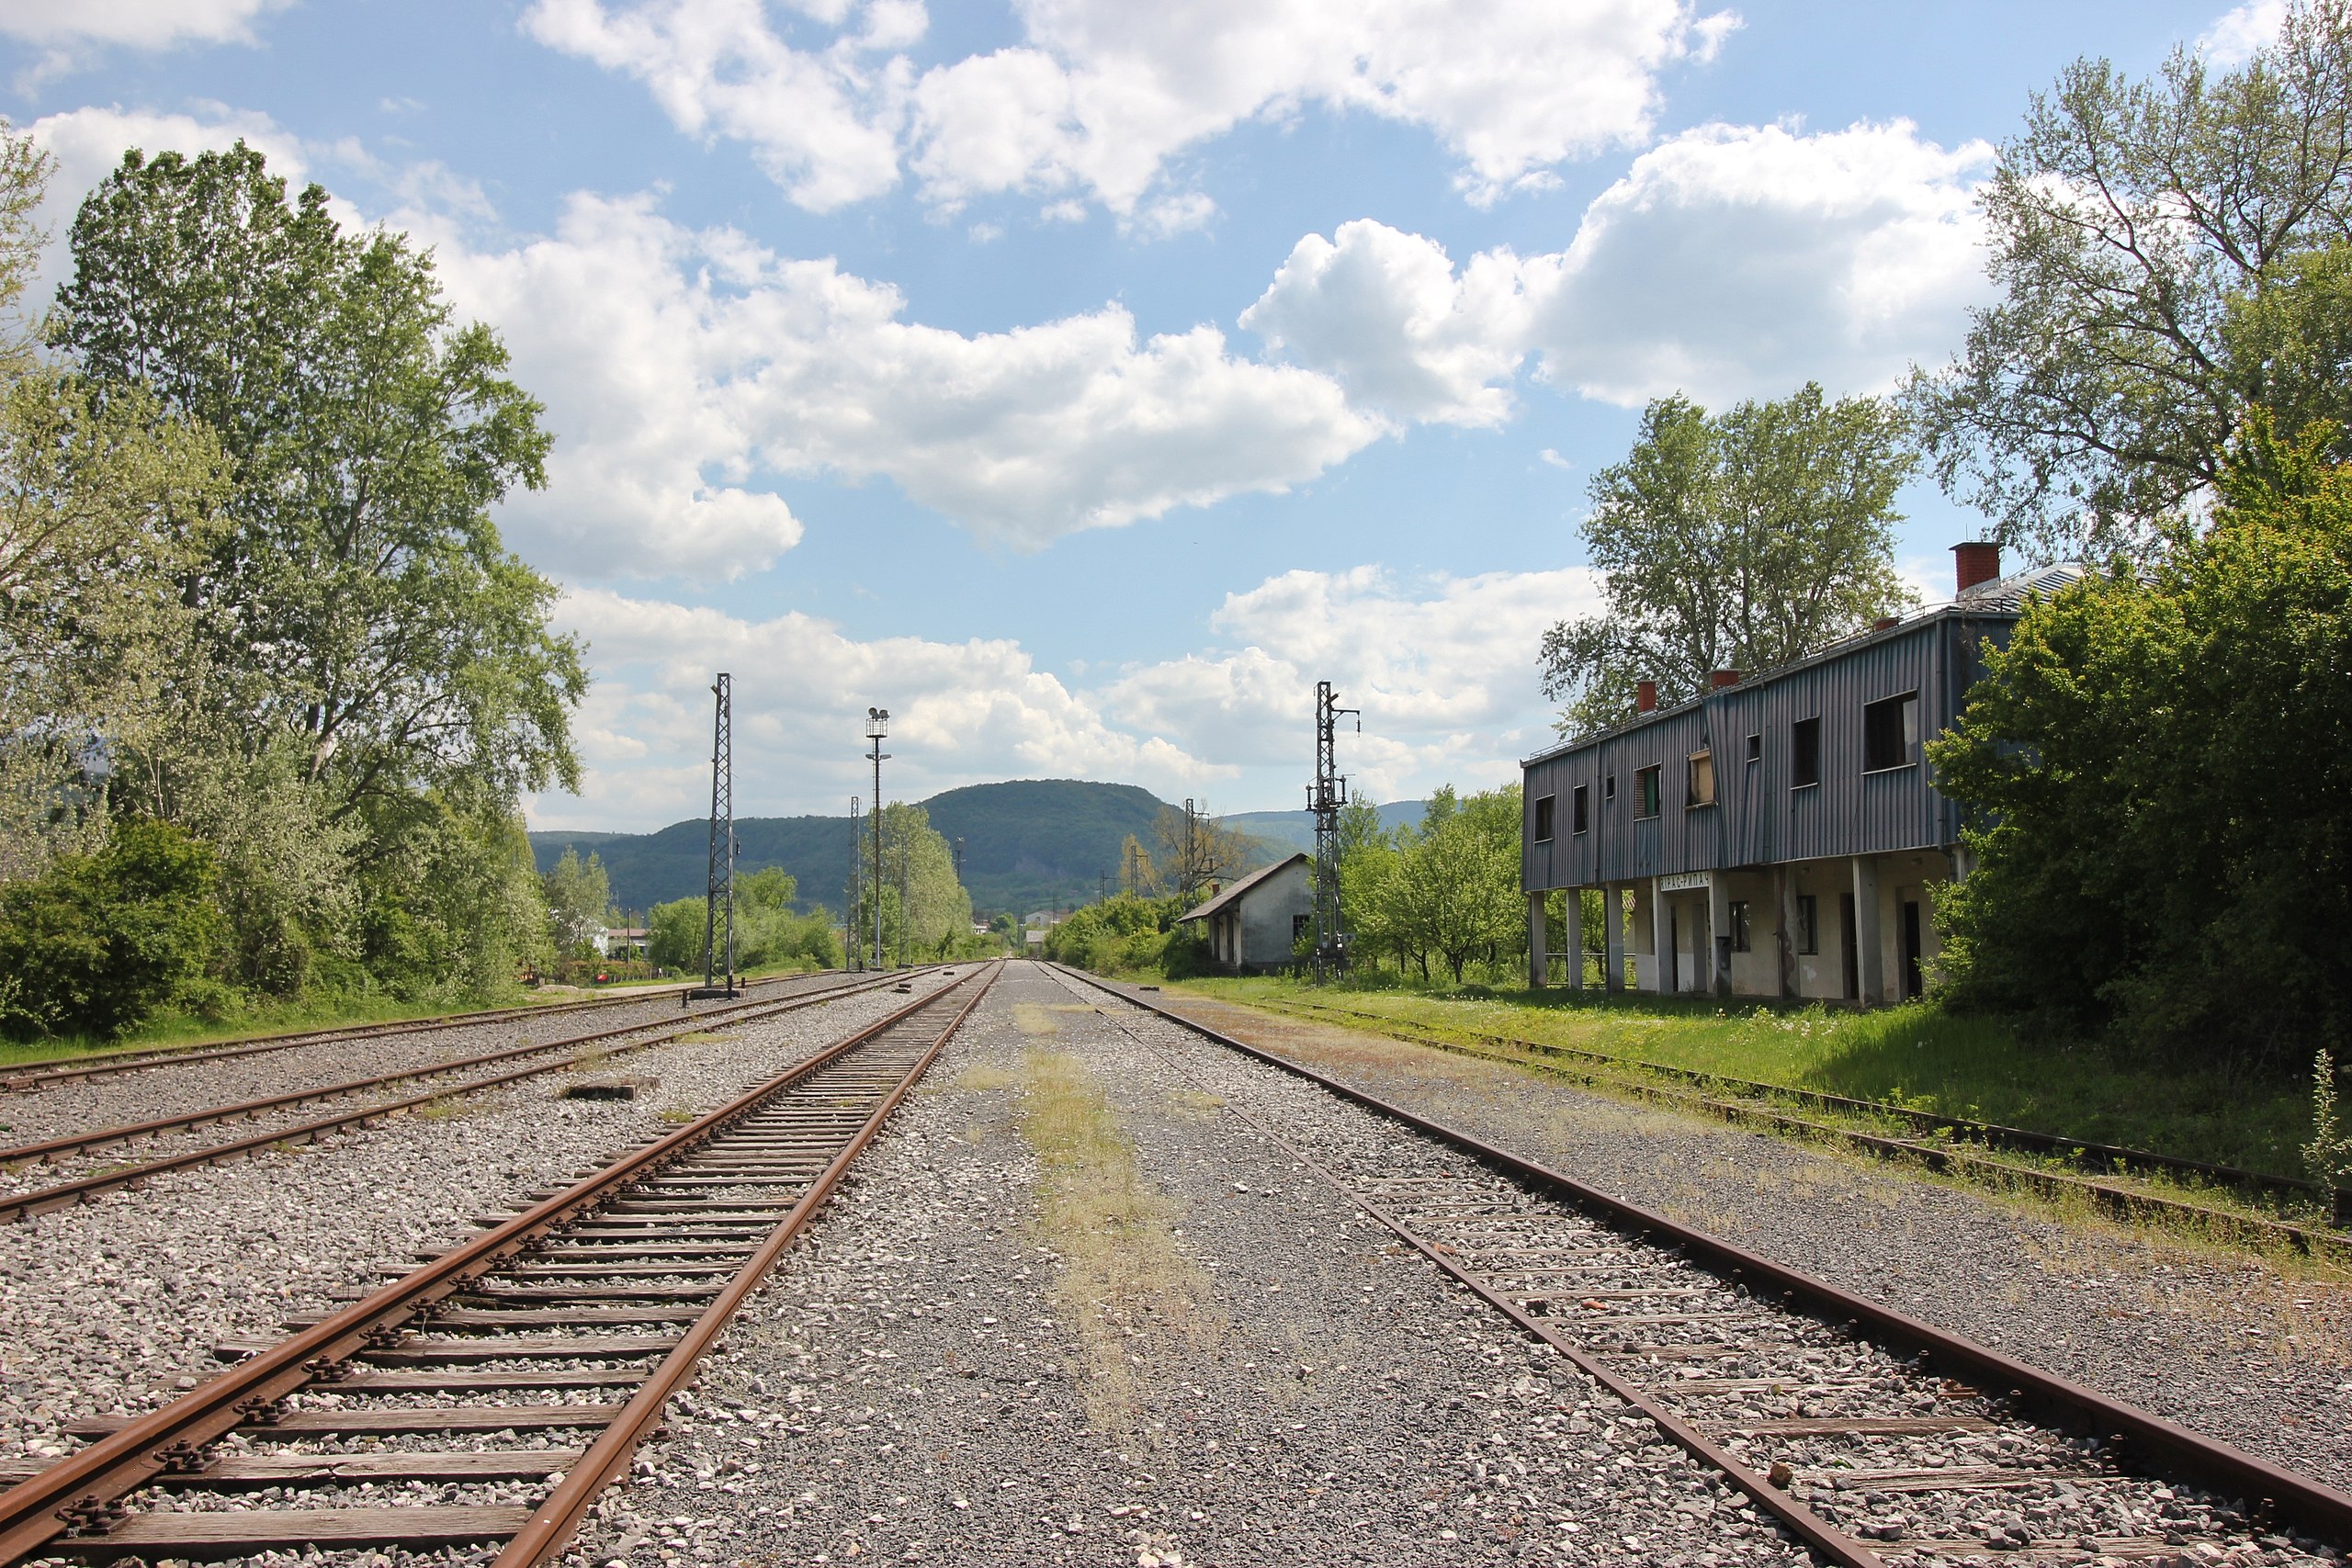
column 551, row 1341
column 125, row 1173
column 1873, row 1437
column 32, row 1078
column 1946, row 1145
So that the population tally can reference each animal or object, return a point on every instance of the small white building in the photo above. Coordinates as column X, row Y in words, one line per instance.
column 1256, row 923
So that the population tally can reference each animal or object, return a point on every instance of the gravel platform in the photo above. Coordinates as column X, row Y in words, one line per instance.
column 112, row 1307
column 2228, row 1347
column 908, row 1389
column 177, row 1087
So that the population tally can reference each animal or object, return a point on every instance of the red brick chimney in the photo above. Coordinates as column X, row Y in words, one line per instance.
column 1719, row 679
column 1645, row 696
column 1978, row 560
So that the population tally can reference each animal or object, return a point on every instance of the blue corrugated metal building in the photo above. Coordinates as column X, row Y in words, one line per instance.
column 1779, row 835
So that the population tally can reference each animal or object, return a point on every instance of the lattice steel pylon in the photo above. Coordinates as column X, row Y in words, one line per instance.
column 1325, row 796
column 718, row 897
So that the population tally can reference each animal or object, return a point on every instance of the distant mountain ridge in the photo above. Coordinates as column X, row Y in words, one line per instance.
column 1296, row 829
column 1028, row 844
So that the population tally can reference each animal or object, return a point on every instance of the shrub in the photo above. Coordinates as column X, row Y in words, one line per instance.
column 102, row 942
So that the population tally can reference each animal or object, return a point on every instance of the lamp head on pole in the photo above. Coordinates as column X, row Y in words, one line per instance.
column 877, row 722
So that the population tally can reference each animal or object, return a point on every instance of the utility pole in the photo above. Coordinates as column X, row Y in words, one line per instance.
column 1188, row 875
column 959, row 863
column 877, row 725
column 850, row 944
column 718, row 892
column 1324, row 798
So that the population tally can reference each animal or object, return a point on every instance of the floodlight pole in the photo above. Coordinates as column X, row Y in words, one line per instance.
column 877, row 726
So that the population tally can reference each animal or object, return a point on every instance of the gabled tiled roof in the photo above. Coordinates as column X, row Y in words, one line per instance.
column 1238, row 889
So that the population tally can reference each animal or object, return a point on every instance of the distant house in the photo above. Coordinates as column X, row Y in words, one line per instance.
column 623, row 941
column 1780, row 836
column 1253, row 924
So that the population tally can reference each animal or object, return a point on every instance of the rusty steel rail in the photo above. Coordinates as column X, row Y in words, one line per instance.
column 68, row 1507
column 552, row 1524
column 2154, row 1444
column 33, row 1076
column 2115, row 1157
column 64, row 1194
column 127, row 1133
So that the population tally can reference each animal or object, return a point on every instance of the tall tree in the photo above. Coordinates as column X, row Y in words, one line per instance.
column 1741, row 541
column 363, row 597
column 2162, row 756
column 2094, row 401
column 580, row 901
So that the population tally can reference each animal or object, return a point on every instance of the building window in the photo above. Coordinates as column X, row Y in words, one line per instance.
column 1544, row 819
column 1756, row 748
column 1609, row 790
column 1808, row 923
column 1648, row 789
column 1804, row 752
column 1891, row 733
column 1739, row 936
column 1578, row 809
column 1701, row 779
column 1298, row 927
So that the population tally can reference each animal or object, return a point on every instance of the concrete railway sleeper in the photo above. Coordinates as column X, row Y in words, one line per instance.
column 629, row 1037
column 34, row 1078
column 553, row 1301
column 1872, row 1436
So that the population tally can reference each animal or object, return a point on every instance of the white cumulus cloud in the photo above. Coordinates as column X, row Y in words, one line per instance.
column 2235, row 36
column 1385, row 312
column 1443, row 671
column 961, row 712
column 1736, row 261
column 1728, row 262
column 1101, row 96
column 138, row 24
column 679, row 364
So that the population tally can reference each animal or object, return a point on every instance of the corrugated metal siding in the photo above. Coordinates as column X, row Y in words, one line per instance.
column 1759, row 818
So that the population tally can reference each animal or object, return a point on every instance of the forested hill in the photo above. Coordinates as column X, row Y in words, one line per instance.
column 1027, row 844
column 1296, row 829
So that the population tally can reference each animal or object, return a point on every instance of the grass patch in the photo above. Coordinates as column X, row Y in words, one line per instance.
column 987, row 1076
column 1123, row 1285
column 1916, row 1056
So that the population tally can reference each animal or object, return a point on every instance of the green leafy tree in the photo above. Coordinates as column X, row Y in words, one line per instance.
column 344, row 635
column 2099, row 394
column 580, row 901
column 99, row 942
column 2162, row 761
column 933, row 919
column 363, row 593
column 1741, row 541
column 100, row 506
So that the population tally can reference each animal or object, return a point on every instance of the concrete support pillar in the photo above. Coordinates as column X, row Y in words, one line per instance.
column 1719, row 930
column 1870, row 965
column 1536, row 921
column 1662, row 955
column 1572, row 936
column 1612, row 937
column 1784, row 938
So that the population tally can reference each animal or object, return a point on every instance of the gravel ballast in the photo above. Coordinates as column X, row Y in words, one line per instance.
column 2222, row 1344
column 181, row 1087
column 111, row 1307
column 909, row 1388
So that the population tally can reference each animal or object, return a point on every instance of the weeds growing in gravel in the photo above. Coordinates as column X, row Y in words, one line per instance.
column 1123, row 1284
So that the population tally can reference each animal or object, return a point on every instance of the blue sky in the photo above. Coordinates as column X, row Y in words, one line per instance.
column 1081, row 379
